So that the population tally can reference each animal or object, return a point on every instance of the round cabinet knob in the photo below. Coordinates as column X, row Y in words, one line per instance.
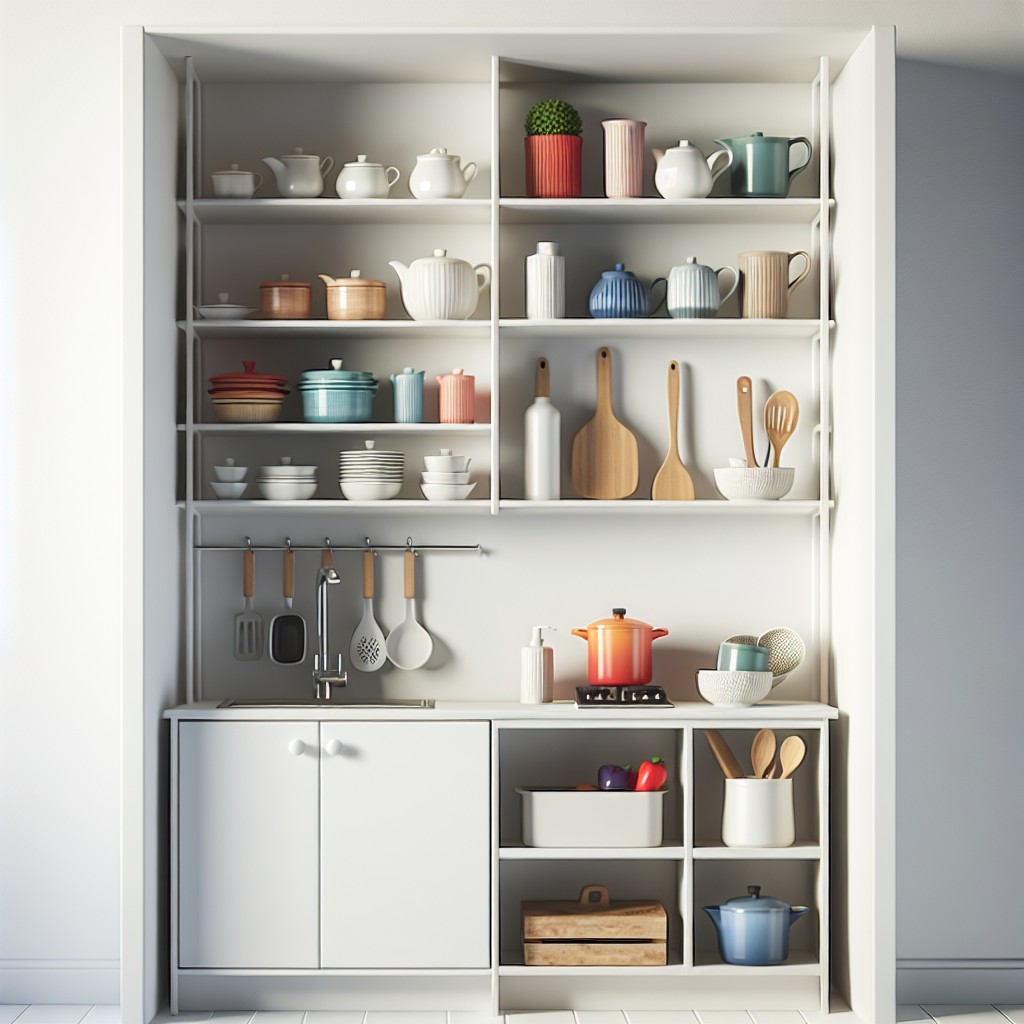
column 333, row 747
column 297, row 747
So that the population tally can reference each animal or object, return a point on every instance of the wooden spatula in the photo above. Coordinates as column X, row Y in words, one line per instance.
column 672, row 482
column 605, row 457
column 723, row 754
column 745, row 408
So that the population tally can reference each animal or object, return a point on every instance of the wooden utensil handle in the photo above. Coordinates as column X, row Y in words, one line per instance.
column 674, row 388
column 543, row 379
column 410, row 575
column 604, row 380
column 326, row 559
column 248, row 572
column 289, row 573
column 368, row 574
column 745, row 407
column 723, row 754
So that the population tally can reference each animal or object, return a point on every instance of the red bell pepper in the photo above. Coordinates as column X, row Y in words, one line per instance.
column 651, row 775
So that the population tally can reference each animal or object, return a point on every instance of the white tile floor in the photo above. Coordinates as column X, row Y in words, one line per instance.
column 84, row 1014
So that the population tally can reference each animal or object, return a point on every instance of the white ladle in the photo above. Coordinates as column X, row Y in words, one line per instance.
column 367, row 647
column 409, row 645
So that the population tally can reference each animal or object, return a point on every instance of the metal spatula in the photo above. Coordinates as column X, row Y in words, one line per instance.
column 248, row 623
column 367, row 650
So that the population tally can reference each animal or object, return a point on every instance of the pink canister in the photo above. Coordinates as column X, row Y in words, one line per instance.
column 457, row 399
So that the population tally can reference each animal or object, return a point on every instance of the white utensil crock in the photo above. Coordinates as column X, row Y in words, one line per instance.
column 758, row 812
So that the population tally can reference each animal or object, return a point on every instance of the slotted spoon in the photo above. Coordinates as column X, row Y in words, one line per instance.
column 367, row 649
column 409, row 644
column 248, row 623
column 781, row 413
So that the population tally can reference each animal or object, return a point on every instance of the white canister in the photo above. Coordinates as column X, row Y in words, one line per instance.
column 624, row 152
column 538, row 670
column 545, row 283
column 542, row 468
column 758, row 812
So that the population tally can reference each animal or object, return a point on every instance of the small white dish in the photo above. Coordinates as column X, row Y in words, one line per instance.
column 446, row 492
column 287, row 490
column 757, row 483
column 230, row 474
column 227, row 489
column 733, row 689
column 225, row 311
column 445, row 462
column 445, row 478
column 369, row 490
column 286, row 471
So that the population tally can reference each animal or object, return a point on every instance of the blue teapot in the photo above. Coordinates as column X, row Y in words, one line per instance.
column 620, row 294
column 753, row 931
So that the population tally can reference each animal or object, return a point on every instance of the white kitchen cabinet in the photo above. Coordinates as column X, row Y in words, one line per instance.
column 248, row 862
column 332, row 846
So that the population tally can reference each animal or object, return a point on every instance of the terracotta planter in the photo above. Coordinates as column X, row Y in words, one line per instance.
column 554, row 166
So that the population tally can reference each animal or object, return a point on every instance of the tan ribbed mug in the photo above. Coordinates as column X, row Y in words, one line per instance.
column 765, row 286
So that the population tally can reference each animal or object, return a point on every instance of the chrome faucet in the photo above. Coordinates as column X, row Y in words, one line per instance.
column 323, row 679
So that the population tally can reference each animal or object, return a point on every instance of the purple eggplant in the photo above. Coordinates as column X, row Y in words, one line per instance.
column 611, row 776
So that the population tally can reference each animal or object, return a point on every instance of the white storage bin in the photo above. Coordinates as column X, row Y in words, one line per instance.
column 609, row 818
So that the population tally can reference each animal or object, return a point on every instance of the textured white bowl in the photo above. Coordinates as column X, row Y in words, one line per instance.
column 446, row 492
column 287, row 490
column 228, row 489
column 369, row 490
column 445, row 478
column 230, row 474
column 755, row 483
column 733, row 689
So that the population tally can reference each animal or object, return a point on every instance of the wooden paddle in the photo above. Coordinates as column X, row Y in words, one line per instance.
column 605, row 458
column 672, row 482
column 723, row 754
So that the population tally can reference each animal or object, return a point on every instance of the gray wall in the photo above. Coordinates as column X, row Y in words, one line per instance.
column 960, row 553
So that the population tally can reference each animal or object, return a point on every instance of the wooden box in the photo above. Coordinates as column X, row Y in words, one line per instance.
column 594, row 932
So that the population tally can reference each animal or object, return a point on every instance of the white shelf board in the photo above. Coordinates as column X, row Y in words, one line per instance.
column 517, row 851
column 664, row 327
column 798, row 851
column 645, row 506
column 799, row 963
column 659, row 211
column 315, row 328
column 334, row 506
column 341, row 211
column 362, row 429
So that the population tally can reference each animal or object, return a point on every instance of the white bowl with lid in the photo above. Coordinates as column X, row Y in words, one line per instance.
column 446, row 462
column 235, row 184
column 229, row 473
column 223, row 309
column 363, row 179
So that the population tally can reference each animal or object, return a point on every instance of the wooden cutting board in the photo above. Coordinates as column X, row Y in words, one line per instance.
column 605, row 457
column 594, row 931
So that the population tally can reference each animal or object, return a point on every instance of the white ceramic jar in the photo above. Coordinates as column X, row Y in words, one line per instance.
column 439, row 175
column 682, row 172
column 363, row 179
column 545, row 283
column 441, row 287
column 235, row 184
column 758, row 812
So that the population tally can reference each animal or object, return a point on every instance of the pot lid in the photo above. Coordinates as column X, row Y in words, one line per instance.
column 620, row 271
column 457, row 372
column 233, row 169
column 440, row 256
column 284, row 281
column 755, row 903
column 335, row 374
column 361, row 161
column 438, row 153
column 619, row 621
column 408, row 371
column 249, row 377
column 299, row 155
column 756, row 138
column 356, row 280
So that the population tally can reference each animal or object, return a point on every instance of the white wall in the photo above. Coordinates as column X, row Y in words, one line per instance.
column 61, row 566
column 960, row 556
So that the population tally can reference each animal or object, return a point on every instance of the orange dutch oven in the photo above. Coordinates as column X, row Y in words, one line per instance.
column 619, row 650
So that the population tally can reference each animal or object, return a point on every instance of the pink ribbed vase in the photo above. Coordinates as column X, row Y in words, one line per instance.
column 554, row 166
column 623, row 157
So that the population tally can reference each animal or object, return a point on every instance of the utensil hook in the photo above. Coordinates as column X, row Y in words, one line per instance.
column 288, row 544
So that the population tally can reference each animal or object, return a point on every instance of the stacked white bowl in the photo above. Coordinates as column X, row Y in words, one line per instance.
column 286, row 482
column 230, row 482
column 369, row 474
column 445, row 477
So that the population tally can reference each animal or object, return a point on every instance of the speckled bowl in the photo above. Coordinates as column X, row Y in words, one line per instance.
column 733, row 689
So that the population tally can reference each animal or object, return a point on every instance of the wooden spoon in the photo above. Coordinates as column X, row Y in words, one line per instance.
column 791, row 756
column 745, row 407
column 723, row 754
column 762, row 753
column 672, row 482
column 781, row 413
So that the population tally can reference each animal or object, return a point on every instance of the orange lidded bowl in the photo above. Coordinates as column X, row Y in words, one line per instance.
column 619, row 650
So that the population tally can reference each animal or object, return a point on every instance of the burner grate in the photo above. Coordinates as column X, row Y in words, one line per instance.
column 649, row 696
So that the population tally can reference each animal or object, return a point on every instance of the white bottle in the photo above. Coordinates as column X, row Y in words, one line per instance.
column 543, row 471
column 545, row 283
column 538, row 670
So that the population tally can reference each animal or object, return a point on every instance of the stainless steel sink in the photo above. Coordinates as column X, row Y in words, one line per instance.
column 337, row 702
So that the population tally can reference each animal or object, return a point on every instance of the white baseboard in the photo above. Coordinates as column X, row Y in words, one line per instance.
column 960, row 980
column 60, row 981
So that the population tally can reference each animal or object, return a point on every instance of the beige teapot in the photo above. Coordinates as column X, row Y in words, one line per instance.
column 441, row 287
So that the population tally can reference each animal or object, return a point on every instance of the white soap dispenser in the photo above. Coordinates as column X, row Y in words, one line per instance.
column 538, row 670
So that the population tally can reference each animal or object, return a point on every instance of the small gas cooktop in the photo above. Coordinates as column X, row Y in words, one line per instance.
column 648, row 696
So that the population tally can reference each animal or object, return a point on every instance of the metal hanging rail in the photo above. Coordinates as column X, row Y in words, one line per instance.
column 367, row 545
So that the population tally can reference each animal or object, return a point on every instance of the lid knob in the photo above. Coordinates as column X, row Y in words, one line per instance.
column 619, row 613
column 234, row 167
column 222, row 297
column 361, row 158
column 354, row 273
column 440, row 252
column 754, row 891
column 548, row 248
column 336, row 364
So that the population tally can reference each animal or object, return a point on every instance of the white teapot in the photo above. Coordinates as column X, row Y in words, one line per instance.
column 438, row 175
column 362, row 179
column 682, row 172
column 440, row 287
column 299, row 175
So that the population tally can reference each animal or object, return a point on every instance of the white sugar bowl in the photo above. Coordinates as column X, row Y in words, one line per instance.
column 363, row 179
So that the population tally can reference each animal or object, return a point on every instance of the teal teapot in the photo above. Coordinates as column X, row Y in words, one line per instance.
column 620, row 293
column 760, row 165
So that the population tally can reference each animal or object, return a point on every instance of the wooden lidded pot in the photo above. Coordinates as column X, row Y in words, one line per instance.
column 284, row 299
column 354, row 297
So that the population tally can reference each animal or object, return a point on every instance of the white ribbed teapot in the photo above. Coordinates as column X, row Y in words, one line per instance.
column 441, row 287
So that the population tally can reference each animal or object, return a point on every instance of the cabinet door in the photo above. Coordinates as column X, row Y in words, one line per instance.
column 247, row 848
column 405, row 844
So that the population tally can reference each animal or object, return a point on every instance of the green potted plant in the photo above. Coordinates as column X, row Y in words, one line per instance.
column 554, row 151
